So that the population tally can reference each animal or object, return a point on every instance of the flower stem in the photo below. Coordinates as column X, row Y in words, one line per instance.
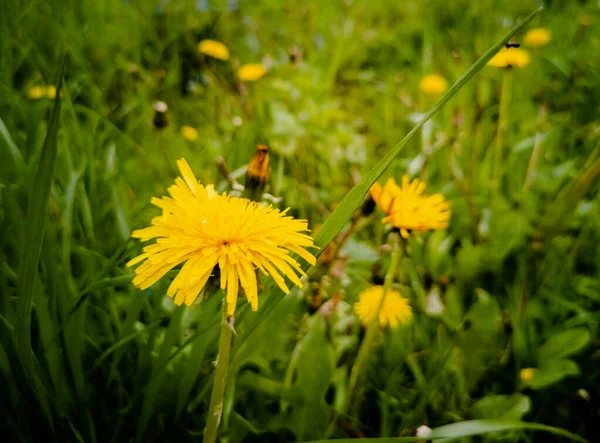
column 536, row 153
column 502, row 126
column 364, row 353
column 216, row 397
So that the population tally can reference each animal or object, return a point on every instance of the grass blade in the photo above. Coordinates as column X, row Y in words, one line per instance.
column 467, row 429
column 16, row 155
column 35, row 223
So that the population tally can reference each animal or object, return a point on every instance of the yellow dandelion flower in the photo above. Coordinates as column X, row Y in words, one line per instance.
column 510, row 57
column 213, row 49
column 203, row 229
column 384, row 195
column 527, row 374
column 251, row 72
column 36, row 92
column 433, row 84
column 395, row 308
column 408, row 208
column 189, row 133
column 537, row 37
column 51, row 91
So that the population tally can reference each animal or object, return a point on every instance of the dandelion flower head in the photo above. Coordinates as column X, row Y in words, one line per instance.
column 41, row 91
column 189, row 133
column 213, row 49
column 433, row 84
column 251, row 72
column 408, row 208
column 203, row 230
column 526, row 374
column 510, row 57
column 394, row 311
column 538, row 37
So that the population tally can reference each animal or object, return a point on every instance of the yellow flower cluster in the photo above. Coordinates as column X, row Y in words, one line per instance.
column 408, row 208
column 250, row 72
column 42, row 91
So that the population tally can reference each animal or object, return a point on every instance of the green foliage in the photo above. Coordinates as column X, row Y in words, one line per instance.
column 513, row 283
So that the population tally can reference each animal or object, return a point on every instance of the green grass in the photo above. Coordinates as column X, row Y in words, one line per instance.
column 85, row 356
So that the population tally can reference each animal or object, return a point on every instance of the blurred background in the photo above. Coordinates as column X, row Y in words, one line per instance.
column 505, row 301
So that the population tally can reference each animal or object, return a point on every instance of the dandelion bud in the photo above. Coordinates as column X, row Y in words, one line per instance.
column 160, row 114
column 258, row 172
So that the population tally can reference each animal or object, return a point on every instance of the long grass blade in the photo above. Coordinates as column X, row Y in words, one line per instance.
column 35, row 223
column 468, row 429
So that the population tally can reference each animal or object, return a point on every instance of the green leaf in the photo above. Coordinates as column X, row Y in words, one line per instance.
column 309, row 413
column 553, row 371
column 504, row 407
column 35, row 223
column 564, row 344
column 15, row 153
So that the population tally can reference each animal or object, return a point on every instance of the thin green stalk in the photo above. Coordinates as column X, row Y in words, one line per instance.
column 366, row 349
column 218, row 391
column 537, row 150
column 503, row 114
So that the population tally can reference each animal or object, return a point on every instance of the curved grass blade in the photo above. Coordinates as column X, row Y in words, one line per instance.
column 17, row 157
column 467, row 429
column 35, row 223
column 350, row 203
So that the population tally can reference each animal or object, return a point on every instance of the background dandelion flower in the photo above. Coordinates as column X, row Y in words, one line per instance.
column 394, row 311
column 251, row 72
column 204, row 229
column 527, row 374
column 538, row 37
column 384, row 195
column 213, row 49
column 409, row 208
column 189, row 133
column 510, row 57
column 433, row 84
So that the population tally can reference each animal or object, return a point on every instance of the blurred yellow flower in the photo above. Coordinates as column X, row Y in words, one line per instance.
column 205, row 230
column 189, row 133
column 586, row 20
column 251, row 72
column 384, row 195
column 395, row 308
column 408, row 208
column 41, row 91
column 36, row 92
column 433, row 84
column 527, row 374
column 510, row 57
column 51, row 91
column 538, row 37
column 213, row 49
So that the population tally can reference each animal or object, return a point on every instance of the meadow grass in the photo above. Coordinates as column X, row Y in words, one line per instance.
column 85, row 356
